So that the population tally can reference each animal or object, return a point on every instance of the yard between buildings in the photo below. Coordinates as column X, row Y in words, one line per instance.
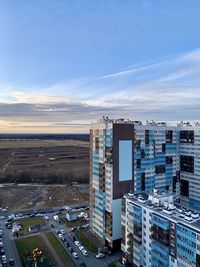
column 49, row 244
column 28, row 244
column 30, row 222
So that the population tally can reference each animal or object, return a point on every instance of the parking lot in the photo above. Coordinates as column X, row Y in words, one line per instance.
column 67, row 236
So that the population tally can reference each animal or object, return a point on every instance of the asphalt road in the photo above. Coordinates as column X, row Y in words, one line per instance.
column 9, row 245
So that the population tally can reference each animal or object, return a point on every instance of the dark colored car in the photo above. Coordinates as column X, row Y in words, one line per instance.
column 52, row 225
column 73, row 238
column 11, row 262
column 82, row 263
column 10, row 220
column 67, row 244
column 71, row 249
column 2, row 252
column 62, row 209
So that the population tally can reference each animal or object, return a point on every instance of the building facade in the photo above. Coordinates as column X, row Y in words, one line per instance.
column 190, row 164
column 156, row 232
column 128, row 156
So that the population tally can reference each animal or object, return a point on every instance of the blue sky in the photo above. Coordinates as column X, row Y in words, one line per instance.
column 64, row 63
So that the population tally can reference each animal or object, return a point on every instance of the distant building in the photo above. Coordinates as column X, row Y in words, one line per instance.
column 157, row 232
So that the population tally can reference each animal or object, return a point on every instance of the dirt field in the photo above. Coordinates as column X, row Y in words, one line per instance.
column 44, row 161
column 39, row 196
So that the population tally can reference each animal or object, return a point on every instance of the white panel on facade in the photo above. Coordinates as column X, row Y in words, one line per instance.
column 125, row 160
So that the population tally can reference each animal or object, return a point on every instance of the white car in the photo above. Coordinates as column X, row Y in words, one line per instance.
column 62, row 232
column 2, row 217
column 81, row 248
column 60, row 236
column 77, row 243
column 75, row 255
column 11, row 216
column 100, row 255
column 84, row 252
column 3, row 258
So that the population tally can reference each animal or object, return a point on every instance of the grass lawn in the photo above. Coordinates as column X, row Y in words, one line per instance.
column 74, row 223
column 28, row 244
column 27, row 222
column 59, row 249
column 87, row 242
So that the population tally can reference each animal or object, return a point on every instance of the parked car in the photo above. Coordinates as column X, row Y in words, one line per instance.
column 74, row 228
column 11, row 262
column 81, row 248
column 3, row 259
column 62, row 237
column 100, row 255
column 77, row 243
column 82, row 263
column 67, row 244
column 46, row 217
column 71, row 249
column 2, row 251
column 75, row 255
column 85, row 253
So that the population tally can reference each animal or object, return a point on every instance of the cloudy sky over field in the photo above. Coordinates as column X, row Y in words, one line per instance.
column 65, row 63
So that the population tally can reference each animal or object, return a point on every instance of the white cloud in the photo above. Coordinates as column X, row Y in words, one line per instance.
column 163, row 90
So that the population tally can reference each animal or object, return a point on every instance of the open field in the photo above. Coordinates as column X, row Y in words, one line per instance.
column 44, row 161
column 23, row 197
column 5, row 144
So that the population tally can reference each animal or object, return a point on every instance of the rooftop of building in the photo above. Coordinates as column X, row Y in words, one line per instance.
column 146, row 123
column 162, row 203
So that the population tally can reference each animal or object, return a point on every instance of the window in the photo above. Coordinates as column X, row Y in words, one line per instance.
column 187, row 163
column 186, row 136
column 169, row 136
column 160, row 169
column 169, row 159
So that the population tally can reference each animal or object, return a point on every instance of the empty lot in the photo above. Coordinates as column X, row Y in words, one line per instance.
column 23, row 197
column 44, row 161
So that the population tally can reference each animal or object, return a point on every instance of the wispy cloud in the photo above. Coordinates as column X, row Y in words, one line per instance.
column 165, row 90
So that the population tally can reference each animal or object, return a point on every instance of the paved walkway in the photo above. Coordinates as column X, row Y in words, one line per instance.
column 52, row 251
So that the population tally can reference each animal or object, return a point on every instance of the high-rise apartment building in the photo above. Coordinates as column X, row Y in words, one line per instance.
column 157, row 232
column 190, row 164
column 128, row 156
column 111, row 176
